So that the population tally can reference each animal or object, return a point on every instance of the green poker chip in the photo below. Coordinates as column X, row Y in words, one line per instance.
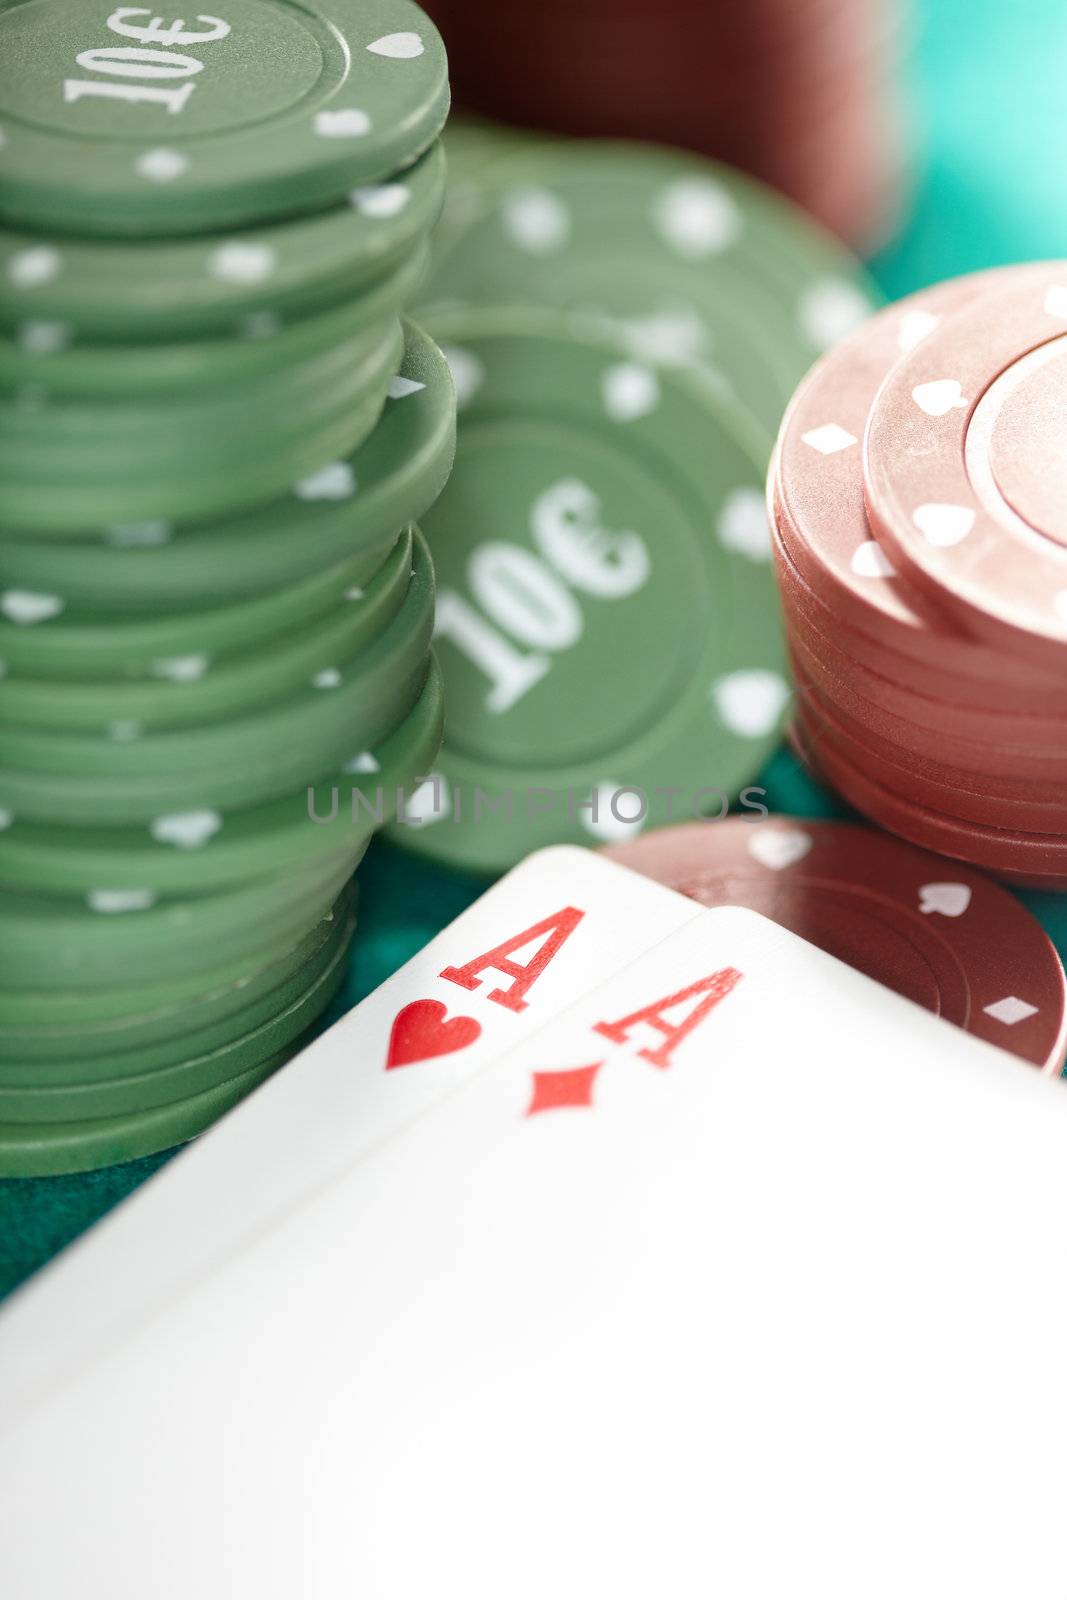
column 159, row 1077
column 607, row 622
column 692, row 263
column 106, row 781
column 343, row 507
column 194, row 689
column 32, row 1150
column 201, row 850
column 40, row 637
column 249, row 282
column 66, row 467
column 59, row 945
column 264, row 362
column 91, row 1026
column 118, row 122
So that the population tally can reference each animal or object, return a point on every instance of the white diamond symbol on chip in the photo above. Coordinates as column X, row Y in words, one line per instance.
column 161, row 166
column 829, row 439
column 1010, row 1010
column 1056, row 300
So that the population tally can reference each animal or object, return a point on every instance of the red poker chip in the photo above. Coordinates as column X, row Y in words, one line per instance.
column 1005, row 730
column 1036, row 859
column 1046, row 767
column 1006, row 788
column 936, row 932
column 965, row 474
column 965, row 797
column 1038, row 692
column 818, row 487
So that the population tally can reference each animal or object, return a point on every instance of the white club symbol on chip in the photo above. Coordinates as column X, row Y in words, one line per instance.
column 944, row 899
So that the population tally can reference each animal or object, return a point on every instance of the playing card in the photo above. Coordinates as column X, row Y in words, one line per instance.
column 556, row 925
column 736, row 1279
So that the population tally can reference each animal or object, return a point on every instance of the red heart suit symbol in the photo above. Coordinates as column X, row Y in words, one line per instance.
column 421, row 1031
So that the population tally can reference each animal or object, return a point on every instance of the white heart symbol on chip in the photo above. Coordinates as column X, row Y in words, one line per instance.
column 943, row 525
column 938, row 398
column 778, row 848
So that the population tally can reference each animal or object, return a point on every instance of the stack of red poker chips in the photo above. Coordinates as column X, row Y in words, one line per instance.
column 801, row 95
column 918, row 500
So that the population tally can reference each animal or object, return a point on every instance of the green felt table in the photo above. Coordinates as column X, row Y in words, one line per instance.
column 988, row 186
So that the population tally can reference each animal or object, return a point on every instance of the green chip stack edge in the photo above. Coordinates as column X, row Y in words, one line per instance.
column 217, row 436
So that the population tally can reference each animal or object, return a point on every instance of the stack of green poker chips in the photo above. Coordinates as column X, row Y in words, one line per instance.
column 218, row 434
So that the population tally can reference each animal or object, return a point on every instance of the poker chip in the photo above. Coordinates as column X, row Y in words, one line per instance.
column 255, row 281
column 342, row 509
column 962, row 465
column 945, row 937
column 804, row 96
column 216, row 435
column 201, row 848
column 283, row 109
column 247, row 451
column 71, row 778
column 688, row 261
column 42, row 1034
column 1031, row 860
column 606, row 624
column 159, row 1077
column 922, row 632
column 30, row 1150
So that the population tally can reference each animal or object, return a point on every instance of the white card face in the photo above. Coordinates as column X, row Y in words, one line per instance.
column 774, row 1313
column 555, row 926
